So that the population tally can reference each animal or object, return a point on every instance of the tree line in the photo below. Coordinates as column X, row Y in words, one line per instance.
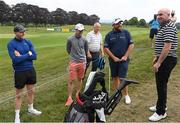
column 31, row 14
column 134, row 22
column 28, row 14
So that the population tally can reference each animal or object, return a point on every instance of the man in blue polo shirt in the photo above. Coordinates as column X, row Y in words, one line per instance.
column 118, row 45
column 154, row 24
column 22, row 54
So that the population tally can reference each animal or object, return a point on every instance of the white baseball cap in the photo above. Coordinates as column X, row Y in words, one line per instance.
column 116, row 21
column 79, row 26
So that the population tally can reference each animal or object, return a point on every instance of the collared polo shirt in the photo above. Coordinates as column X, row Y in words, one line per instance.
column 167, row 33
column 118, row 42
column 94, row 41
column 77, row 48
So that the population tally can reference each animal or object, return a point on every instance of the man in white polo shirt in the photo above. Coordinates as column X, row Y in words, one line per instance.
column 94, row 39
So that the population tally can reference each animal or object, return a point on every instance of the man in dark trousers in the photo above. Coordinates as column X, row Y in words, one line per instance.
column 22, row 54
column 154, row 24
column 118, row 46
column 165, row 60
column 94, row 39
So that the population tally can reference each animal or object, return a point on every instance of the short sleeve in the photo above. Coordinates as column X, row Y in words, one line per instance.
column 106, row 41
column 169, row 34
column 129, row 38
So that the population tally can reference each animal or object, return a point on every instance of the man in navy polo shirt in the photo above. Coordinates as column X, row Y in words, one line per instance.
column 22, row 54
column 118, row 45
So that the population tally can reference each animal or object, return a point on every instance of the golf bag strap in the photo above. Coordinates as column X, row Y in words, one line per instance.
column 79, row 100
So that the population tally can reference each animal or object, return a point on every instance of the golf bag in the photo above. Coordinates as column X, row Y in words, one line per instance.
column 93, row 100
column 82, row 110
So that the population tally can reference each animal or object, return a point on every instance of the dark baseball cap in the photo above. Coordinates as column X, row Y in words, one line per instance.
column 19, row 28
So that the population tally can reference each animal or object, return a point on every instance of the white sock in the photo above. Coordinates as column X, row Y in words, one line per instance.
column 30, row 106
column 17, row 113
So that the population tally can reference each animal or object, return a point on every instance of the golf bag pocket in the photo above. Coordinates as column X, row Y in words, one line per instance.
column 76, row 114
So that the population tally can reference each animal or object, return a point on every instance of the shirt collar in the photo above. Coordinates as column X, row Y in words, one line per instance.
column 117, row 31
column 166, row 23
column 77, row 37
column 95, row 33
column 19, row 40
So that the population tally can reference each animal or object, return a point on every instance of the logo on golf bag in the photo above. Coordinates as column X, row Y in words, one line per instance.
column 100, row 98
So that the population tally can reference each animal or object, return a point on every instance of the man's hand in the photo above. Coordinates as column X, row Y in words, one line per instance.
column 89, row 55
column 17, row 53
column 30, row 53
column 116, row 59
column 156, row 66
column 124, row 58
column 155, row 60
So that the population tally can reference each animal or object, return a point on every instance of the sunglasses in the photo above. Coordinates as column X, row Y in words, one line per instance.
column 159, row 14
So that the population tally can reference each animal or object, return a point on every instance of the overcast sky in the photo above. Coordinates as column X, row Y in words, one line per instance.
column 108, row 10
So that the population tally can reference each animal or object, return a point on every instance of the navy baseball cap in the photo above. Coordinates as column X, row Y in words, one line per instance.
column 19, row 28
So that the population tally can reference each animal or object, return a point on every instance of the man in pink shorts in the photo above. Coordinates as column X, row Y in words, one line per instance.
column 77, row 48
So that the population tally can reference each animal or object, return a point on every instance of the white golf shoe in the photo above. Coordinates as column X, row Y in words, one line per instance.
column 127, row 99
column 155, row 117
column 34, row 111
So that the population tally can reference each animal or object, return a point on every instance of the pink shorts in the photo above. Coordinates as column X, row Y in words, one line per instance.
column 76, row 70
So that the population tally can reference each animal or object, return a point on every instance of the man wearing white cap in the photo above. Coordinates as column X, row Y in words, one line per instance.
column 118, row 45
column 77, row 48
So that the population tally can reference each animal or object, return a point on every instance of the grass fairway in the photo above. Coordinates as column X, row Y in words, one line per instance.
column 51, row 89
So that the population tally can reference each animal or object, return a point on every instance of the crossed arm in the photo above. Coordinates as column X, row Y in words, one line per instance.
column 17, row 57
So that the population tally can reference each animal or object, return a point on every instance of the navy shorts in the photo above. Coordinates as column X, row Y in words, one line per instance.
column 152, row 33
column 24, row 77
column 119, row 68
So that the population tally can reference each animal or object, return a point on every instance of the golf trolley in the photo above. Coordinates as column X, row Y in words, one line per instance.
column 93, row 100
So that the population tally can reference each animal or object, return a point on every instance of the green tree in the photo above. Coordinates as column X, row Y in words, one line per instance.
column 142, row 23
column 133, row 21
column 5, row 12
column 125, row 22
